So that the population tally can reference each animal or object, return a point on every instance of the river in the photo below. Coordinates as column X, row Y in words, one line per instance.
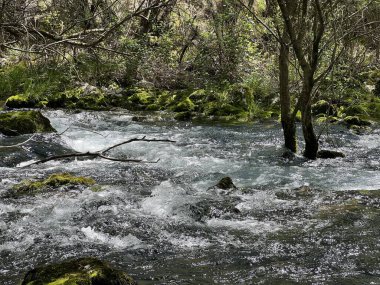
column 289, row 222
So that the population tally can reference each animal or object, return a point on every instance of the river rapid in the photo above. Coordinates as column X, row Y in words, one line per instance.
column 288, row 222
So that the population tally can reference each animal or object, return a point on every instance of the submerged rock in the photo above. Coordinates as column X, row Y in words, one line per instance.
column 83, row 271
column 330, row 154
column 209, row 209
column 226, row 183
column 54, row 181
column 288, row 154
column 24, row 122
column 304, row 191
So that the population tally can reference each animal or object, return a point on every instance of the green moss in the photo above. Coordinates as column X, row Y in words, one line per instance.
column 299, row 116
column 60, row 281
column 24, row 122
column 83, row 271
column 19, row 101
column 356, row 110
column 54, row 181
column 198, row 95
column 153, row 107
column 141, row 97
column 373, row 109
column 185, row 105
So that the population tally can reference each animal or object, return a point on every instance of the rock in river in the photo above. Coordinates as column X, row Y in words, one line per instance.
column 83, row 271
column 24, row 122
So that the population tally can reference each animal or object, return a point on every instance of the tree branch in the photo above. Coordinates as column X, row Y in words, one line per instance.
column 101, row 153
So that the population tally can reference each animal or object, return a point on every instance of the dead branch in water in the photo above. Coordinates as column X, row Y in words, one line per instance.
column 19, row 144
column 102, row 153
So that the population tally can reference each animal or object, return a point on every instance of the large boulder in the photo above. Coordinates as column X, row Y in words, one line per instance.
column 323, row 107
column 83, row 271
column 24, row 122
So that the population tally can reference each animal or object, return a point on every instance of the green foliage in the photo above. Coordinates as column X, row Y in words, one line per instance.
column 35, row 81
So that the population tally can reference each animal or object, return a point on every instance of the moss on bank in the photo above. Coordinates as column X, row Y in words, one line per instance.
column 83, row 271
column 239, row 102
column 24, row 122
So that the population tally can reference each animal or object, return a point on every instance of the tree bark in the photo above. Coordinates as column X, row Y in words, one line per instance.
column 287, row 120
column 311, row 141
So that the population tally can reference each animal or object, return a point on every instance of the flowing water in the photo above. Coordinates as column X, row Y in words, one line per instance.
column 289, row 222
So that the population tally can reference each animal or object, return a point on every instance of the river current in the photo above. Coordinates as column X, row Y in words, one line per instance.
column 288, row 221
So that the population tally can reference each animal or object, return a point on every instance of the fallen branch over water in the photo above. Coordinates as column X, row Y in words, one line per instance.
column 102, row 153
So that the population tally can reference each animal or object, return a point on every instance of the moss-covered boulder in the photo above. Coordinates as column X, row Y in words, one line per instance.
column 83, row 271
column 20, row 101
column 323, row 107
column 54, row 181
column 356, row 121
column 24, row 122
column 139, row 98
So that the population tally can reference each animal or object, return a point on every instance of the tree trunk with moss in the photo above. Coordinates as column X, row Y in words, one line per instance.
column 311, row 140
column 287, row 120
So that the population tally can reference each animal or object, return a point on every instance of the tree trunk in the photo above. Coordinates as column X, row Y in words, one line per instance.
column 311, row 141
column 287, row 120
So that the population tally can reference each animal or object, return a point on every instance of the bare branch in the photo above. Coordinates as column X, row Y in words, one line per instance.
column 101, row 154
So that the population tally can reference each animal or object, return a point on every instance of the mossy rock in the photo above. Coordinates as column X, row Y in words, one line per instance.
column 24, row 122
column 323, row 107
column 83, row 271
column 347, row 212
column 29, row 187
column 165, row 99
column 20, row 101
column 141, row 97
column 356, row 121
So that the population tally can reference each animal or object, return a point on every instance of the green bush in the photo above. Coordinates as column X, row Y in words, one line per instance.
column 34, row 81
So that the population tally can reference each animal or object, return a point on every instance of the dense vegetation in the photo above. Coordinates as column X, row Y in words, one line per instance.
column 228, row 59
